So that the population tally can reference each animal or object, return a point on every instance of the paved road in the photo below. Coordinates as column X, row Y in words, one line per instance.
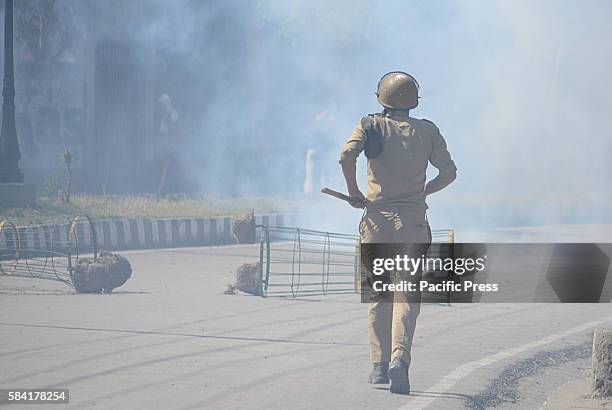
column 170, row 338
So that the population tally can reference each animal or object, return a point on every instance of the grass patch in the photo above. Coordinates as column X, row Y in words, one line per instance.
column 131, row 207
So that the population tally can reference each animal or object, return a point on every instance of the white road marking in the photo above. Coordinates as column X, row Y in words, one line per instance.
column 454, row 377
column 191, row 248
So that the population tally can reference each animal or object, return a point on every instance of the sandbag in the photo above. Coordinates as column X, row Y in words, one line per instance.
column 248, row 279
column 243, row 228
column 107, row 272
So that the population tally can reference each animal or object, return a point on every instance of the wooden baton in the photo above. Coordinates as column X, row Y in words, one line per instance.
column 340, row 195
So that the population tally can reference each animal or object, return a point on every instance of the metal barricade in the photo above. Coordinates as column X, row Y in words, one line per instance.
column 46, row 251
column 296, row 262
column 302, row 262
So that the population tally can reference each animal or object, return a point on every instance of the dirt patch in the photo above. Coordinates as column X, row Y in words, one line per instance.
column 505, row 387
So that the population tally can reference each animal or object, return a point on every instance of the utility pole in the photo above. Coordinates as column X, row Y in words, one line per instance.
column 9, row 144
column 13, row 192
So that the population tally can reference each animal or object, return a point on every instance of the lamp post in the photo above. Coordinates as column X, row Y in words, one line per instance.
column 9, row 144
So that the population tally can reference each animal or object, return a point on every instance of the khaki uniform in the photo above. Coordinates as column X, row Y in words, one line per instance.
column 396, row 213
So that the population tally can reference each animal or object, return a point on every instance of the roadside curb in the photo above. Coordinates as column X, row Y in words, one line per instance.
column 140, row 234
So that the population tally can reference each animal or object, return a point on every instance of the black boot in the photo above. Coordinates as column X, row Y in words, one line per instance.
column 398, row 373
column 379, row 373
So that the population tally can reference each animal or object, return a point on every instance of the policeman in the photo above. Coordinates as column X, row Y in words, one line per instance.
column 399, row 148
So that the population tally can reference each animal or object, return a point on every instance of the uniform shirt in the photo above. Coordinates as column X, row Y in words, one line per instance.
column 397, row 175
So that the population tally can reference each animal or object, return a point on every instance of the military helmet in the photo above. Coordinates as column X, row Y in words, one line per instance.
column 398, row 90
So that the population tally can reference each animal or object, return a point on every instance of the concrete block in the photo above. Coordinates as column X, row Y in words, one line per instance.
column 602, row 363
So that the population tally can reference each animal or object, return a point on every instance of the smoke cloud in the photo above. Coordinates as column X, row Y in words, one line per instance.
column 518, row 88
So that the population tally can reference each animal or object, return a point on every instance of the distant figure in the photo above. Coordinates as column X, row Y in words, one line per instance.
column 398, row 148
column 312, row 171
column 169, row 114
column 166, row 155
column 315, row 173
